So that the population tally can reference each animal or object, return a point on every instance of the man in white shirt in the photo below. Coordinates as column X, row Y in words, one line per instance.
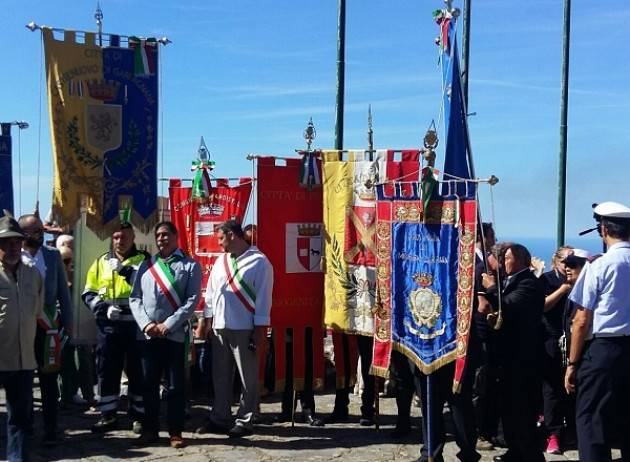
column 236, row 317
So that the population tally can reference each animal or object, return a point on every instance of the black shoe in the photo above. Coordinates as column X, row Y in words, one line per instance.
column 51, row 439
column 400, row 432
column 105, row 424
column 366, row 421
column 337, row 417
column 503, row 458
column 310, row 419
column 238, row 431
column 147, row 439
column 211, row 427
column 283, row 417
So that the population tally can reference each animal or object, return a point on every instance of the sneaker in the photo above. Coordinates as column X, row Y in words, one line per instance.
column 76, row 399
column 553, row 445
column 238, row 431
column 484, row 445
column 136, row 427
column 105, row 424
column 177, row 442
column 211, row 427
column 366, row 421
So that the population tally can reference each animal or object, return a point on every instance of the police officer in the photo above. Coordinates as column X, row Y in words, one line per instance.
column 599, row 360
column 107, row 290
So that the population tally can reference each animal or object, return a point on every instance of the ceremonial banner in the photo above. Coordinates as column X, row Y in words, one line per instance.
column 350, row 223
column 196, row 220
column 6, row 185
column 103, row 104
column 425, row 278
column 290, row 233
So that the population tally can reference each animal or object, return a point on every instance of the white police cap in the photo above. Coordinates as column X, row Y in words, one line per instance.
column 611, row 210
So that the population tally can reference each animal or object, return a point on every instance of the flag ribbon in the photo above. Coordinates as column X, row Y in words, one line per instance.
column 201, row 181
column 161, row 272
column 49, row 323
column 244, row 293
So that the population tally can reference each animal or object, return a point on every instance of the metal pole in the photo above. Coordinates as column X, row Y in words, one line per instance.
column 341, row 65
column 564, row 103
column 466, row 51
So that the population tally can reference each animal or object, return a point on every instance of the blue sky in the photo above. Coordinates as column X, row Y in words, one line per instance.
column 247, row 75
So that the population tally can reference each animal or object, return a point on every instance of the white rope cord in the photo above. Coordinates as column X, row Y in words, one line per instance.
column 20, row 169
column 39, row 123
column 161, row 100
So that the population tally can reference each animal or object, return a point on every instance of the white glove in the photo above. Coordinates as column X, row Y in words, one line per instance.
column 113, row 313
column 115, row 264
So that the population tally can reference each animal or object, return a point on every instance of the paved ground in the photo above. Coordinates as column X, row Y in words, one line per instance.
column 277, row 442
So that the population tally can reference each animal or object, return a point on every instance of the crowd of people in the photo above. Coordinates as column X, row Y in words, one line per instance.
column 554, row 348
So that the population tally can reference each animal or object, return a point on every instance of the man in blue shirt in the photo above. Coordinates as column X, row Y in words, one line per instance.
column 599, row 361
column 163, row 299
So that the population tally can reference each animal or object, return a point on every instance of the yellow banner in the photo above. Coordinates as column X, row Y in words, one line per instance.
column 350, row 223
column 74, row 73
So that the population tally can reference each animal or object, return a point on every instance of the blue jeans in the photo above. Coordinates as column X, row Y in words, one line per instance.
column 160, row 355
column 18, row 386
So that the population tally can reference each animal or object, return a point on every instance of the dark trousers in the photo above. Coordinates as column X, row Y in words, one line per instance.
column 49, row 388
column 520, row 393
column 18, row 386
column 117, row 350
column 73, row 378
column 159, row 356
column 305, row 396
column 603, row 403
column 486, row 390
column 402, row 374
column 554, row 394
column 342, row 400
column 462, row 413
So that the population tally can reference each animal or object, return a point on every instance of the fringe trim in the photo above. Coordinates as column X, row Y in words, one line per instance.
column 379, row 371
column 425, row 368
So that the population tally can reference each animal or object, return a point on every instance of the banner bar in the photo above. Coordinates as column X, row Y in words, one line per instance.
column 33, row 26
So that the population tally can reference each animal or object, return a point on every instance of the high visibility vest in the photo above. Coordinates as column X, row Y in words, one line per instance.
column 109, row 285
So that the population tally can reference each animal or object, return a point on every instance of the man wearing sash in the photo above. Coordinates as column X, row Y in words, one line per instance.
column 55, row 321
column 237, row 313
column 106, row 294
column 163, row 299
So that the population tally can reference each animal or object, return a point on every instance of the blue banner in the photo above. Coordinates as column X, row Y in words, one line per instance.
column 425, row 274
column 6, row 170
column 131, row 168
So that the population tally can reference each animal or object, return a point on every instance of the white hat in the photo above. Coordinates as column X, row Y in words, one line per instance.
column 611, row 210
column 581, row 253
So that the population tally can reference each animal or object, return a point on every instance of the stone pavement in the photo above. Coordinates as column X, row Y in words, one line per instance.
column 278, row 442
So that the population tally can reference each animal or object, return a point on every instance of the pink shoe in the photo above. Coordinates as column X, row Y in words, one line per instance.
column 553, row 445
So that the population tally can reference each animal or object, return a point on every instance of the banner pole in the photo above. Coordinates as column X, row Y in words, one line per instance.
column 429, row 420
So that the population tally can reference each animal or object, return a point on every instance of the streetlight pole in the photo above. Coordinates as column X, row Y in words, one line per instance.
column 564, row 103
column 341, row 67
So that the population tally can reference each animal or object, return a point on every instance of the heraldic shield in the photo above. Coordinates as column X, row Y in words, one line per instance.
column 303, row 247
column 104, row 126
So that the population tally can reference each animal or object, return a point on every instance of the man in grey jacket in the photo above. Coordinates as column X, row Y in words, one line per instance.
column 57, row 315
column 163, row 299
column 21, row 293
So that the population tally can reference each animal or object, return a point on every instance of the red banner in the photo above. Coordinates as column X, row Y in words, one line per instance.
column 196, row 220
column 290, row 233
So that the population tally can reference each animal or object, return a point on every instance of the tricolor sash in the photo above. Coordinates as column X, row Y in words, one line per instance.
column 51, row 353
column 166, row 282
column 245, row 294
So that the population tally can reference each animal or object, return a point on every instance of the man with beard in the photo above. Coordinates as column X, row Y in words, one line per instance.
column 106, row 294
column 237, row 314
column 21, row 296
column 56, row 315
